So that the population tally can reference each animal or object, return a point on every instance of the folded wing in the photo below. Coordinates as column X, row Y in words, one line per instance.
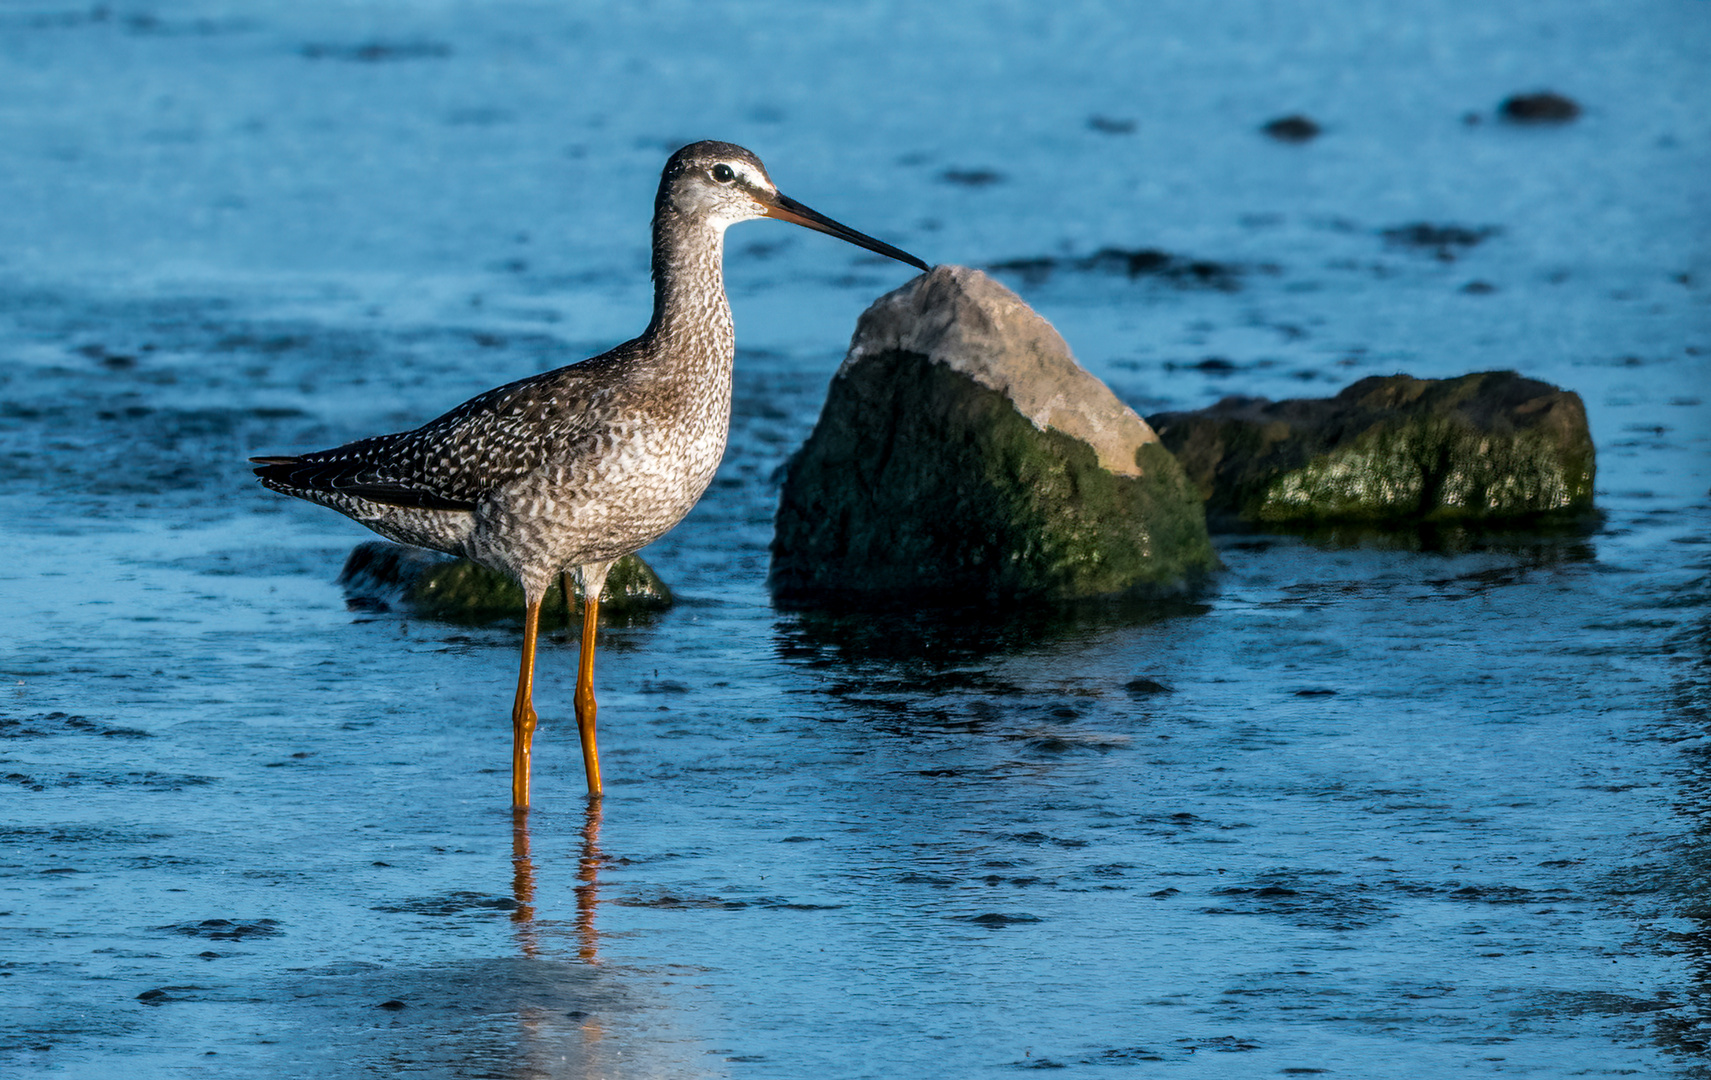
column 449, row 462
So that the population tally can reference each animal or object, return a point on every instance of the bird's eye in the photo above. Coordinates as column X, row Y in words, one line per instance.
column 724, row 173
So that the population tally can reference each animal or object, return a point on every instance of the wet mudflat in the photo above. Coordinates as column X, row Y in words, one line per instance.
column 1383, row 809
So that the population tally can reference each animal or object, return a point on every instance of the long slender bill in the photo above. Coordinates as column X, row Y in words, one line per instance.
column 788, row 209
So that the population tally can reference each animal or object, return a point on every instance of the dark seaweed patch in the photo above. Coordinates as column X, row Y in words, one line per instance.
column 1292, row 129
column 377, row 52
column 674, row 902
column 225, row 929
column 1223, row 1044
column 996, row 919
column 1131, row 263
column 451, row 903
column 1444, row 242
column 972, row 177
column 1543, row 107
column 1043, row 840
column 1111, row 125
column 59, row 723
column 1342, row 908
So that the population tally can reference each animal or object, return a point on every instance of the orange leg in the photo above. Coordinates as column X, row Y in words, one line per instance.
column 523, row 717
column 585, row 706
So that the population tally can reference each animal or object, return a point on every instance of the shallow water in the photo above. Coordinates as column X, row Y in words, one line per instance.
column 1374, row 810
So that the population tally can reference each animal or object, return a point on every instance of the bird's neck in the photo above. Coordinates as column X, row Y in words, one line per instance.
column 690, row 309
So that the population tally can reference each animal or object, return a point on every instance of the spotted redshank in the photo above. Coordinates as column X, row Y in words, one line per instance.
column 572, row 469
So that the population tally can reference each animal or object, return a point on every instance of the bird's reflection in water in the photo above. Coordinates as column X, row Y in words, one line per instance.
column 539, row 1025
column 587, row 889
column 523, row 883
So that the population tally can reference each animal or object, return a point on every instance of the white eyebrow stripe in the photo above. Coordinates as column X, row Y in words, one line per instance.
column 748, row 175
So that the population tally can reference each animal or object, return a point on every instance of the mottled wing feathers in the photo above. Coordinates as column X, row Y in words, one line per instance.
column 450, row 462
column 364, row 469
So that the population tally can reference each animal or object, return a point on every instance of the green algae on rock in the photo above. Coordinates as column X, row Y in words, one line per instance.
column 379, row 574
column 963, row 454
column 1489, row 448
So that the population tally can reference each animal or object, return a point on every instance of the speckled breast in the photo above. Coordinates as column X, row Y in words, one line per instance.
column 609, row 494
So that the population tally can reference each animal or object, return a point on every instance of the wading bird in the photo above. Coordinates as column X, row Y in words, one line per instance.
column 573, row 469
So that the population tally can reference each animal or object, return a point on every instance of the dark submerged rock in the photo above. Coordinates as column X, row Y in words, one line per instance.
column 972, row 177
column 1543, row 107
column 226, row 929
column 377, row 52
column 380, row 574
column 1446, row 242
column 1145, row 686
column 963, row 455
column 1490, row 448
column 1292, row 129
column 1132, row 263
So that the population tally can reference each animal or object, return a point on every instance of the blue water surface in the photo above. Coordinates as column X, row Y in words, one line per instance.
column 1368, row 809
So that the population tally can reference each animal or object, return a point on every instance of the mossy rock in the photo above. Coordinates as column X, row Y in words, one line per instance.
column 381, row 575
column 1490, row 449
column 931, row 476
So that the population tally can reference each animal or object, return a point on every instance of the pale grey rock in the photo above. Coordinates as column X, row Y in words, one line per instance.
column 968, row 322
column 963, row 454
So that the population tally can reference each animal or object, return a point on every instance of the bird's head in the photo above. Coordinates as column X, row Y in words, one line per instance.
column 722, row 184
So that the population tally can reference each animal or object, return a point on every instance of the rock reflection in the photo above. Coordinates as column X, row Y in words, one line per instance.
column 1545, row 542
column 951, row 635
